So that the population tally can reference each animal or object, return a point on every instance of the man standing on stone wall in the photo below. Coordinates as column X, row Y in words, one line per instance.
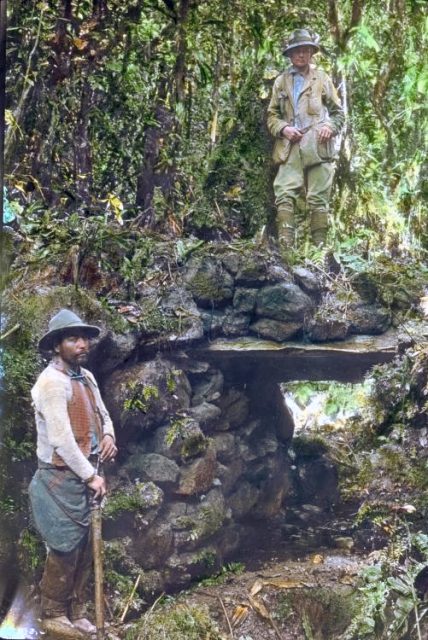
column 304, row 115
column 74, row 433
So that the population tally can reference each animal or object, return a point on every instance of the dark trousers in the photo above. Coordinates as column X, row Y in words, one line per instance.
column 64, row 583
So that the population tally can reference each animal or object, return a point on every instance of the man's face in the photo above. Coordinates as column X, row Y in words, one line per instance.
column 301, row 56
column 73, row 349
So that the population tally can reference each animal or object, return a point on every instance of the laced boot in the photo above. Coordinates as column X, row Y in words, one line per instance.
column 286, row 227
column 319, row 225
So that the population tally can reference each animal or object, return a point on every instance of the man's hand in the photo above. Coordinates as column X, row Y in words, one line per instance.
column 325, row 133
column 98, row 486
column 292, row 134
column 108, row 449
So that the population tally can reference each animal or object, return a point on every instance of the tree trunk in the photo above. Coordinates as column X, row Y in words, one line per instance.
column 160, row 137
column 82, row 146
column 153, row 174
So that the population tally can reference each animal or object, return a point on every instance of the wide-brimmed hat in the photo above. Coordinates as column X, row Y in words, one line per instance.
column 65, row 321
column 301, row 38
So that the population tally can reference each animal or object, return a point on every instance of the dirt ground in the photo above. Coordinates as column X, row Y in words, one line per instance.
column 283, row 590
column 284, row 599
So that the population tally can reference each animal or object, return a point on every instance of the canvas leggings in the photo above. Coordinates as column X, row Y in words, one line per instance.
column 291, row 181
column 64, row 582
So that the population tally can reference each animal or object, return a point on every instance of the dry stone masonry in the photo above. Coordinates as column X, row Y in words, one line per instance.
column 198, row 459
column 204, row 438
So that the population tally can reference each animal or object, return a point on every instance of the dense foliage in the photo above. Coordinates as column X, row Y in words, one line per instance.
column 154, row 112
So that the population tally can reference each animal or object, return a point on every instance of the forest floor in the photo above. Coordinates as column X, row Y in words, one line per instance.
column 280, row 588
column 284, row 598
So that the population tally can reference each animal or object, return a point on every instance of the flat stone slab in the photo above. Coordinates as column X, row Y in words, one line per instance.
column 344, row 361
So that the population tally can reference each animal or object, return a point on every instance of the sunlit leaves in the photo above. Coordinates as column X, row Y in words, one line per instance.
column 115, row 205
column 365, row 38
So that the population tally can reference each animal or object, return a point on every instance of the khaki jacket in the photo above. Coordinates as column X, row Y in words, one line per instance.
column 318, row 104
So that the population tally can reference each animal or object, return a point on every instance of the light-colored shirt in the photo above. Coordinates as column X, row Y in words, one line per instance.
column 51, row 395
column 298, row 82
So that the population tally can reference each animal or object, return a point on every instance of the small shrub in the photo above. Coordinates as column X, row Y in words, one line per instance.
column 176, row 622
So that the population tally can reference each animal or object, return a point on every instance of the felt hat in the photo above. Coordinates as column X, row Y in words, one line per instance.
column 301, row 38
column 65, row 321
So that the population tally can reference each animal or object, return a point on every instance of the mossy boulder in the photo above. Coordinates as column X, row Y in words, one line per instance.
column 243, row 499
column 234, row 406
column 144, row 396
column 209, row 282
column 153, row 468
column 283, row 302
column 370, row 319
column 206, row 385
column 154, row 544
column 133, row 497
column 244, row 300
column 181, row 439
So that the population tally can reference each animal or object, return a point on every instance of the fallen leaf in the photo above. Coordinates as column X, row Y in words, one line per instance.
column 287, row 583
column 257, row 587
column 264, row 613
column 260, row 608
column 403, row 508
column 240, row 614
column 318, row 559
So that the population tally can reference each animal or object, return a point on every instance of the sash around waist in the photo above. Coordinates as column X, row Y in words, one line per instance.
column 93, row 459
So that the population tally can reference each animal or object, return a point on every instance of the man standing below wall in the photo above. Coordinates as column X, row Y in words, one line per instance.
column 304, row 115
column 74, row 434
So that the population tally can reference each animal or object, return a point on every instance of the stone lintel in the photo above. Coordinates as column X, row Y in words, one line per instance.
column 343, row 361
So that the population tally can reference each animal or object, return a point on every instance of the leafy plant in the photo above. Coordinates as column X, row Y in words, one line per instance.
column 229, row 569
column 141, row 397
column 176, row 621
column 31, row 550
column 389, row 605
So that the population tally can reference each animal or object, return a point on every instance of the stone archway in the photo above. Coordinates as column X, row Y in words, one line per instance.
column 204, row 438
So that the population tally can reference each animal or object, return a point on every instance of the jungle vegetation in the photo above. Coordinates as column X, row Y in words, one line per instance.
column 150, row 116
column 132, row 122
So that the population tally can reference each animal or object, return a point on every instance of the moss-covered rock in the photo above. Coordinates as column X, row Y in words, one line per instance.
column 209, row 282
column 136, row 497
column 176, row 622
column 145, row 395
column 323, row 613
column 283, row 302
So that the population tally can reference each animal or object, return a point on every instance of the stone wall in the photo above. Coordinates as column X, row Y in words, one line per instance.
column 204, row 452
column 198, row 459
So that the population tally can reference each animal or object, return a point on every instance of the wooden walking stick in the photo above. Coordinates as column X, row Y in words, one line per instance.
column 97, row 549
column 97, row 552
